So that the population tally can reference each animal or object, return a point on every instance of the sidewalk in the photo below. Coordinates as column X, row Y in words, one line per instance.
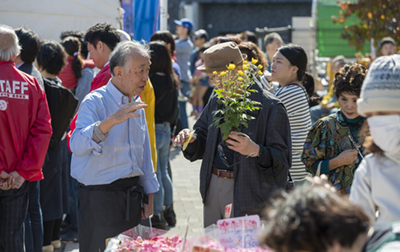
column 187, row 199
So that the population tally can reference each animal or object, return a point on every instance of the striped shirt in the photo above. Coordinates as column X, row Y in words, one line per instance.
column 296, row 103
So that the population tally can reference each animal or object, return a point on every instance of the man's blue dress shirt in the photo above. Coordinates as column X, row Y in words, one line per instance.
column 124, row 153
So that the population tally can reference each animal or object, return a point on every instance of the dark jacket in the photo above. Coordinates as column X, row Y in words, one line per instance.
column 166, row 105
column 62, row 105
column 32, row 70
column 256, row 179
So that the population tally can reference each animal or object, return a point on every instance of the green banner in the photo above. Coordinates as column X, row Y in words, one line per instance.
column 329, row 43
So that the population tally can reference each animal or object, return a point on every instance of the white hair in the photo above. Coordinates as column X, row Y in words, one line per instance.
column 9, row 46
column 123, row 52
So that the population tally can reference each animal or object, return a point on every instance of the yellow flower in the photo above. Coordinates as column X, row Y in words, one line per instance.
column 260, row 73
column 254, row 61
column 245, row 66
column 260, row 66
column 215, row 73
column 240, row 79
column 222, row 73
column 231, row 66
column 244, row 62
column 240, row 72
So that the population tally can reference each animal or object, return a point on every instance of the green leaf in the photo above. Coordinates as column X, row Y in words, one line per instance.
column 226, row 128
column 216, row 121
column 219, row 111
column 219, row 92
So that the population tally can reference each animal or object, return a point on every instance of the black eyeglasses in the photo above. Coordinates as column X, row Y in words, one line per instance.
column 196, row 38
column 225, row 160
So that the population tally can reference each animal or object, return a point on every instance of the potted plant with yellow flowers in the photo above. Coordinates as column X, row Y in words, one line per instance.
column 233, row 87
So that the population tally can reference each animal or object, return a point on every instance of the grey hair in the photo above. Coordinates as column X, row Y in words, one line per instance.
column 269, row 38
column 124, row 51
column 9, row 44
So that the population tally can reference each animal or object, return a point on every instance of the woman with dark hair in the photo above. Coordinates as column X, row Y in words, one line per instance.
column 78, row 73
column 376, row 182
column 166, row 113
column 167, row 37
column 53, row 188
column 332, row 145
column 288, row 68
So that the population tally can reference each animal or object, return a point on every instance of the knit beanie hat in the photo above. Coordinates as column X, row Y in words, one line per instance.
column 381, row 88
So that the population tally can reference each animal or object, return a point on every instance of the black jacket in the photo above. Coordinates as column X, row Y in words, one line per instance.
column 62, row 105
column 256, row 178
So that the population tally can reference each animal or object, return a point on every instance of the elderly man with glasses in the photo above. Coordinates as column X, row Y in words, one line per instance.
column 111, row 152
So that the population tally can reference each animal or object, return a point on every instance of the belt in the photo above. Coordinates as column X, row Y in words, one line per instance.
column 222, row 173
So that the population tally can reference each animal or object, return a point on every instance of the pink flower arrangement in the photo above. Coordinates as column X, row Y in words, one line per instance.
column 156, row 244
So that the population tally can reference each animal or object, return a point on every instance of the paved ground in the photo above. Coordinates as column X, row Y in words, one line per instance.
column 187, row 200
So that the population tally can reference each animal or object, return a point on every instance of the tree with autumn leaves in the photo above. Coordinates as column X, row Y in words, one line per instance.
column 378, row 19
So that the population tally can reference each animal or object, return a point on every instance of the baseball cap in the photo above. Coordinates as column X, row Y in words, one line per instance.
column 201, row 33
column 185, row 22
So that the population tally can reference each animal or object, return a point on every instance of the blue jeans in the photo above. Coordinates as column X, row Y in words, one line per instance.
column 164, row 195
column 185, row 88
column 33, row 221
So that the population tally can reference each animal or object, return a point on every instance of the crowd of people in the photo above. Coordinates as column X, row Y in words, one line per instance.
column 88, row 124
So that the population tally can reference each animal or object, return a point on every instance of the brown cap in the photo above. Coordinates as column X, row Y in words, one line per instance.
column 219, row 56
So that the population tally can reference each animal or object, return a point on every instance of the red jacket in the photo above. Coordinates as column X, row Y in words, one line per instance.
column 25, row 125
column 100, row 80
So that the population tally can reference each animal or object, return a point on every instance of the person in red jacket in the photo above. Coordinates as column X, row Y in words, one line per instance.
column 30, row 44
column 25, row 132
column 101, row 40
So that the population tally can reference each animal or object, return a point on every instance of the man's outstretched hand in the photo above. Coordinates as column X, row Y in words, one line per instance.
column 124, row 113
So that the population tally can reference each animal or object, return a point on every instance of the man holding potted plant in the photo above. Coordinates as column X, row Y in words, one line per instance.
column 248, row 167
